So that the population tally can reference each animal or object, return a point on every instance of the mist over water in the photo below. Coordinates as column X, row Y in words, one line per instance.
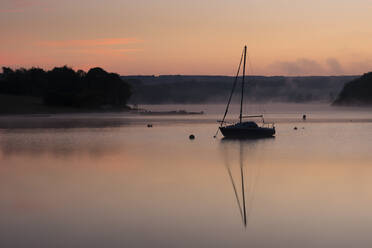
column 121, row 184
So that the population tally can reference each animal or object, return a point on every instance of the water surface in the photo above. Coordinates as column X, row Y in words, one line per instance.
column 126, row 185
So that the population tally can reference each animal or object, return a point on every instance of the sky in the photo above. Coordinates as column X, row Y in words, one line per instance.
column 191, row 37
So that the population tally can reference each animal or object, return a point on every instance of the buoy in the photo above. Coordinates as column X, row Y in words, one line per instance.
column 191, row 137
column 149, row 125
column 295, row 128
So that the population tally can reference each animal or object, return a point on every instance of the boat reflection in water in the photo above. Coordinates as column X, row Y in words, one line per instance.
column 244, row 185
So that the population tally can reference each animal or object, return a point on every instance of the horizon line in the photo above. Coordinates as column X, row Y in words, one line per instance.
column 219, row 75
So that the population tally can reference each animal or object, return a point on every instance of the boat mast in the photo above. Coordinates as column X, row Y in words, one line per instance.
column 242, row 179
column 241, row 99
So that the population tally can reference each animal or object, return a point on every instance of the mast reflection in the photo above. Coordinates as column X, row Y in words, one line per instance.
column 244, row 191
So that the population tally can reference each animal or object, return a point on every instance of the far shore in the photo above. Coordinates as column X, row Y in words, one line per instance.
column 34, row 107
column 12, row 105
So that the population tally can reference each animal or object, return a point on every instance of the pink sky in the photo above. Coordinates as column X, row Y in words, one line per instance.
column 300, row 37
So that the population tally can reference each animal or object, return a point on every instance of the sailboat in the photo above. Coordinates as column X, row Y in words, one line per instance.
column 244, row 129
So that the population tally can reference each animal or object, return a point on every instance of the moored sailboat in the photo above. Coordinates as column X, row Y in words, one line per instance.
column 244, row 129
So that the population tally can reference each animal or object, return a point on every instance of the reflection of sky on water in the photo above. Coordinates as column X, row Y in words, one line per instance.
column 134, row 186
column 61, row 142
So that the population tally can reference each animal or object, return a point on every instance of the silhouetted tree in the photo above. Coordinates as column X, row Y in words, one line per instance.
column 356, row 92
column 62, row 86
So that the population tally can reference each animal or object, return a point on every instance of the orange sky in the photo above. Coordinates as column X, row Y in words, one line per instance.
column 284, row 37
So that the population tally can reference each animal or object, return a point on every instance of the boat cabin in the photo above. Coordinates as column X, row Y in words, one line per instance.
column 246, row 124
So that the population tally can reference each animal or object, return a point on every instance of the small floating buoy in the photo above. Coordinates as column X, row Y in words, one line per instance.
column 295, row 128
column 191, row 137
column 149, row 125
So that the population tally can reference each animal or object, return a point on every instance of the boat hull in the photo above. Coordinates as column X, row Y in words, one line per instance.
column 246, row 133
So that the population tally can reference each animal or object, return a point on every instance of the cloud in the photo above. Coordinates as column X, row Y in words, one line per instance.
column 304, row 66
column 334, row 66
column 108, row 51
column 90, row 43
column 112, row 46
column 301, row 66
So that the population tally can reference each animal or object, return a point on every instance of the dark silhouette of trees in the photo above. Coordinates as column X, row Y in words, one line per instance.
column 23, row 82
column 356, row 92
column 62, row 86
column 105, row 88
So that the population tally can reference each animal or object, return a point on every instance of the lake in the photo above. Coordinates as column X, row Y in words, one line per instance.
column 107, row 180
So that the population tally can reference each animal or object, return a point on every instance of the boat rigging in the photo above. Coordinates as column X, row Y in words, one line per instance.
column 244, row 129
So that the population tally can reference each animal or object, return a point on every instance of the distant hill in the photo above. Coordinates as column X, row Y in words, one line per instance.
column 209, row 89
column 358, row 92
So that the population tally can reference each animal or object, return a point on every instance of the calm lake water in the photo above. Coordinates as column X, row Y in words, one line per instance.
column 109, row 181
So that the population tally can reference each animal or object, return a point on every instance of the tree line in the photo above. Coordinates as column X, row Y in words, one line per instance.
column 356, row 92
column 63, row 86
